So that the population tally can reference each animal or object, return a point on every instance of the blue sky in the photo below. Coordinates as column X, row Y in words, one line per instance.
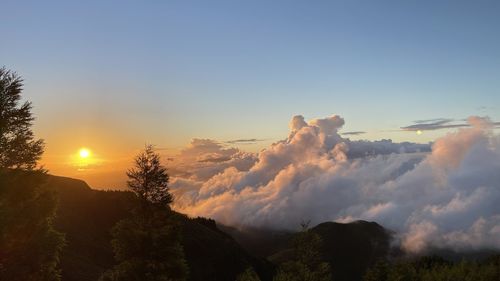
column 167, row 71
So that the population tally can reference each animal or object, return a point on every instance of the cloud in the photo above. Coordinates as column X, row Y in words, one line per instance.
column 432, row 124
column 382, row 147
column 440, row 123
column 244, row 141
column 204, row 158
column 435, row 120
column 354, row 133
column 433, row 196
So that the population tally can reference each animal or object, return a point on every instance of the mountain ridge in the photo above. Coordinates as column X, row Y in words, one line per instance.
column 213, row 251
column 86, row 216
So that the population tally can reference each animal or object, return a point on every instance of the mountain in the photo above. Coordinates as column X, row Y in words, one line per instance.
column 260, row 242
column 349, row 248
column 86, row 216
column 218, row 252
column 353, row 247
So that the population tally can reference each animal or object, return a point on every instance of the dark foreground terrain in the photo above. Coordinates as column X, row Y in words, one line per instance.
column 86, row 216
column 213, row 252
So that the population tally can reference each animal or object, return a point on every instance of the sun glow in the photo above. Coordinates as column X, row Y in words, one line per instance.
column 84, row 159
column 84, row 153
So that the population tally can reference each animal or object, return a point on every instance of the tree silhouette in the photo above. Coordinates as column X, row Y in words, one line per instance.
column 147, row 245
column 18, row 147
column 149, row 179
column 435, row 268
column 29, row 245
column 306, row 264
column 147, row 249
column 248, row 275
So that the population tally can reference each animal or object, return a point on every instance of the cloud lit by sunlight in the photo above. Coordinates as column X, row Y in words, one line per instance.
column 440, row 194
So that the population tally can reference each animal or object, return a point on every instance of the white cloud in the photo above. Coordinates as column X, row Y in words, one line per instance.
column 444, row 197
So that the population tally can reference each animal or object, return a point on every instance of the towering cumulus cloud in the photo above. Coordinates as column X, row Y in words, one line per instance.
column 441, row 196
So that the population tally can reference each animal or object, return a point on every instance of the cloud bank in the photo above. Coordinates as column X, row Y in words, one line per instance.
column 443, row 195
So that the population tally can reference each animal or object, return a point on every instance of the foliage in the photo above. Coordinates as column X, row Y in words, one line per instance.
column 248, row 275
column 306, row 264
column 18, row 147
column 30, row 247
column 148, row 248
column 296, row 271
column 147, row 245
column 435, row 269
column 149, row 179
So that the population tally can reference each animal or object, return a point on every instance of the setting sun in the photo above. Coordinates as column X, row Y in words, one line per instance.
column 84, row 153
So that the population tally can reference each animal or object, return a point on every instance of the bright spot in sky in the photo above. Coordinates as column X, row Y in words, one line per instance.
column 84, row 153
column 419, row 132
column 84, row 159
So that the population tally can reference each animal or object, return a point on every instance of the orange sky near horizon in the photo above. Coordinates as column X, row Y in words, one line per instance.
column 111, row 155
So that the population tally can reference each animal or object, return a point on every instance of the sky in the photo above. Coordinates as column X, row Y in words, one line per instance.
column 114, row 75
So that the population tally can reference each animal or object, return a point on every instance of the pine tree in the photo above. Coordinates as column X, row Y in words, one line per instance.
column 149, row 179
column 147, row 245
column 29, row 244
column 18, row 147
column 306, row 264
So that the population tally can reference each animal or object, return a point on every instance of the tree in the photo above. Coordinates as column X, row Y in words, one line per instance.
column 29, row 244
column 147, row 245
column 378, row 272
column 433, row 268
column 149, row 179
column 147, row 249
column 248, row 275
column 306, row 264
column 18, row 147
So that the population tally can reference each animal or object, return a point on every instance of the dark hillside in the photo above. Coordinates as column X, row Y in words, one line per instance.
column 351, row 248
column 260, row 242
column 86, row 216
column 216, row 255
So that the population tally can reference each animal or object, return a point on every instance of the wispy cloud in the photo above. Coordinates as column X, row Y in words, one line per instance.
column 215, row 159
column 440, row 123
column 435, row 120
column 244, row 141
column 354, row 133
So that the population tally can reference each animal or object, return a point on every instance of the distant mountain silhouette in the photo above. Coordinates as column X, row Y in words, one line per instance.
column 261, row 242
column 349, row 248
